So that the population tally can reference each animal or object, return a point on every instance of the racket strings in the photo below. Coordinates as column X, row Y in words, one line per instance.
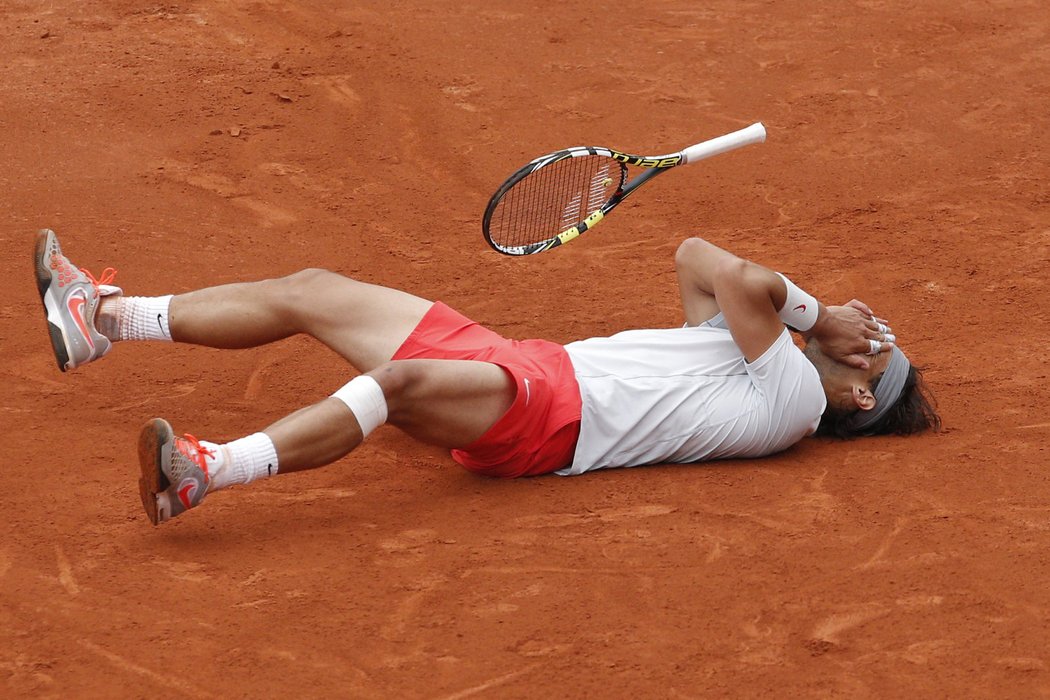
column 553, row 199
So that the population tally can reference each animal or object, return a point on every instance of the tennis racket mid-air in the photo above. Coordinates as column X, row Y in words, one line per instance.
column 556, row 197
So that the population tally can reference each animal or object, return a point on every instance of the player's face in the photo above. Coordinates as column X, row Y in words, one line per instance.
column 841, row 382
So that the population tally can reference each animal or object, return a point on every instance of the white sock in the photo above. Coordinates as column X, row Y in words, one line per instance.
column 241, row 461
column 143, row 318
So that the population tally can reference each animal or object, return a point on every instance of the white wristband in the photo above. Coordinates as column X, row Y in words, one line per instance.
column 364, row 397
column 800, row 309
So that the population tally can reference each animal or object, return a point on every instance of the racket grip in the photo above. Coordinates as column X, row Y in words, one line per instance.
column 756, row 133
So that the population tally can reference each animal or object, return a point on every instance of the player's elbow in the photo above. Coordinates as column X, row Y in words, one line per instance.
column 741, row 275
column 696, row 260
column 731, row 271
column 689, row 252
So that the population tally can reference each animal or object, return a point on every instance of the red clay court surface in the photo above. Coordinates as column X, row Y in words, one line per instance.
column 196, row 143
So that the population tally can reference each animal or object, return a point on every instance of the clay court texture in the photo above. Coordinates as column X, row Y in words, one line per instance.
column 195, row 143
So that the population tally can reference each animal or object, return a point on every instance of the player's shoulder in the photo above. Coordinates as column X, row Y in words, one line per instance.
column 780, row 354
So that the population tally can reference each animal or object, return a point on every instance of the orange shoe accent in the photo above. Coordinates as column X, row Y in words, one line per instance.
column 107, row 277
column 200, row 451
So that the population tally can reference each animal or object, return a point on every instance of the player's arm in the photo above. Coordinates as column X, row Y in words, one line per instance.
column 712, row 279
column 694, row 264
column 750, row 296
column 758, row 302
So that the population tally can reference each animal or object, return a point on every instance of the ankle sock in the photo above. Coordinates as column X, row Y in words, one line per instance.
column 134, row 318
column 241, row 461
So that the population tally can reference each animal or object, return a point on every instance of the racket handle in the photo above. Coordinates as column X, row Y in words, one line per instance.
column 756, row 133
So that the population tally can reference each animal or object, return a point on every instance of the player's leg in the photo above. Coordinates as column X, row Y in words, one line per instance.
column 364, row 323
column 450, row 403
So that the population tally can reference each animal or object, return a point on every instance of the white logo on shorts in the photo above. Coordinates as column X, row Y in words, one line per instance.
column 528, row 393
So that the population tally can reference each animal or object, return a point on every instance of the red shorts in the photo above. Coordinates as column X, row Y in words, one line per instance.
column 538, row 432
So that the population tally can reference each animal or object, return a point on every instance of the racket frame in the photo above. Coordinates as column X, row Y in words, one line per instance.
column 652, row 165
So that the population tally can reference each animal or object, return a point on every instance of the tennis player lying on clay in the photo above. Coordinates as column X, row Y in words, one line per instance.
column 730, row 383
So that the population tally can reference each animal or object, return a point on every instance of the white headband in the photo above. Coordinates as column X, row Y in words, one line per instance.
column 886, row 393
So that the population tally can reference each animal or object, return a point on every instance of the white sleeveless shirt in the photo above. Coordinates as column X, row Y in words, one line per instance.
column 687, row 394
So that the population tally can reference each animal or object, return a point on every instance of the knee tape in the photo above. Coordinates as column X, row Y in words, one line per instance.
column 364, row 397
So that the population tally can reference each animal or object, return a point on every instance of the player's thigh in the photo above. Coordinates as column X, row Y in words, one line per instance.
column 365, row 323
column 450, row 403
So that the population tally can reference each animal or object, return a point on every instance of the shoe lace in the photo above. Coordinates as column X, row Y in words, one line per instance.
column 200, row 450
column 107, row 277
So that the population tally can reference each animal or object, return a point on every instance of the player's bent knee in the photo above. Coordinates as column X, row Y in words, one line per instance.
column 397, row 378
column 408, row 386
column 365, row 399
column 307, row 280
column 298, row 292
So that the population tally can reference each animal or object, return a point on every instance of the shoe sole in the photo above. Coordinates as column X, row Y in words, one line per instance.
column 151, row 478
column 43, row 282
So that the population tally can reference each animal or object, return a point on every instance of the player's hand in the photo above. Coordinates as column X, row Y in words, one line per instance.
column 852, row 334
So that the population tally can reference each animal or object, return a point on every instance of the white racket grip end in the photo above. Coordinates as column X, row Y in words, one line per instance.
column 756, row 133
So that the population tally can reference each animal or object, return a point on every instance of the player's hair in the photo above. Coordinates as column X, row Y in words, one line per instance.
column 914, row 412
